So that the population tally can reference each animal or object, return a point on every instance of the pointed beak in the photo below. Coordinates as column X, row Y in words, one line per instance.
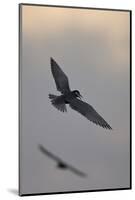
column 80, row 96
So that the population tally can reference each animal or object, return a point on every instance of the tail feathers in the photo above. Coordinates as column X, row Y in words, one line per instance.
column 56, row 103
column 52, row 97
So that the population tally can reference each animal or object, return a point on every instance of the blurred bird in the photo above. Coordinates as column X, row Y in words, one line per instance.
column 73, row 98
column 60, row 163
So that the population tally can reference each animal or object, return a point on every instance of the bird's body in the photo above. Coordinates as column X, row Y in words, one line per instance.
column 65, row 98
column 72, row 98
column 61, row 100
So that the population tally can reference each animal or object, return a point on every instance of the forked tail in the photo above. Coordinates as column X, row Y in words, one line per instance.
column 57, row 103
column 52, row 97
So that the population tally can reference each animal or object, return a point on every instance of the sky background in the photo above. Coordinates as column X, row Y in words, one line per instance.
column 92, row 48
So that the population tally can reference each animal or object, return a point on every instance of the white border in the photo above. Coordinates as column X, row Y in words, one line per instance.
column 9, row 98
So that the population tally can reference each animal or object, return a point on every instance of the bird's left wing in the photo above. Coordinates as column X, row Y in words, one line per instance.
column 89, row 112
column 49, row 154
column 60, row 77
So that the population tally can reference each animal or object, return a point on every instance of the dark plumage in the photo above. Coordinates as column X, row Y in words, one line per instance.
column 60, row 163
column 71, row 97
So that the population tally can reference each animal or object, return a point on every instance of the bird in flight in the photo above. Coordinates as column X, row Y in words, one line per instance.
column 73, row 98
column 60, row 163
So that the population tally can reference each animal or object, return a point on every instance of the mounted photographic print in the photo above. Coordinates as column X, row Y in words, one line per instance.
column 74, row 99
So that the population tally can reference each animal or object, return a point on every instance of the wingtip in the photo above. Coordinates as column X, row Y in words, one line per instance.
column 51, row 59
column 105, row 126
column 40, row 146
column 109, row 127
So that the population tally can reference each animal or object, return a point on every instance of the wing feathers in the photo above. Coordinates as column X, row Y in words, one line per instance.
column 60, row 77
column 89, row 112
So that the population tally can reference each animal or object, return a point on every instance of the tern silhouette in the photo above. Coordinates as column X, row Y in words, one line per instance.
column 60, row 163
column 71, row 97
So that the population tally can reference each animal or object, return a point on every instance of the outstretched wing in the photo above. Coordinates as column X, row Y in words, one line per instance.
column 49, row 154
column 60, row 77
column 60, row 163
column 76, row 171
column 88, row 111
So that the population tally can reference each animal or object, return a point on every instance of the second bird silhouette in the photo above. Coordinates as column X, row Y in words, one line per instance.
column 73, row 98
column 60, row 163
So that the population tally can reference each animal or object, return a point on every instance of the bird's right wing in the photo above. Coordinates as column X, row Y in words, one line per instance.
column 60, row 77
column 89, row 112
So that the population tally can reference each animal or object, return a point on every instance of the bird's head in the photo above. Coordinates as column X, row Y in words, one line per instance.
column 77, row 94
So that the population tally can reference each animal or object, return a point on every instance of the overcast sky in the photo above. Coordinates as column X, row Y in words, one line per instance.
column 92, row 48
